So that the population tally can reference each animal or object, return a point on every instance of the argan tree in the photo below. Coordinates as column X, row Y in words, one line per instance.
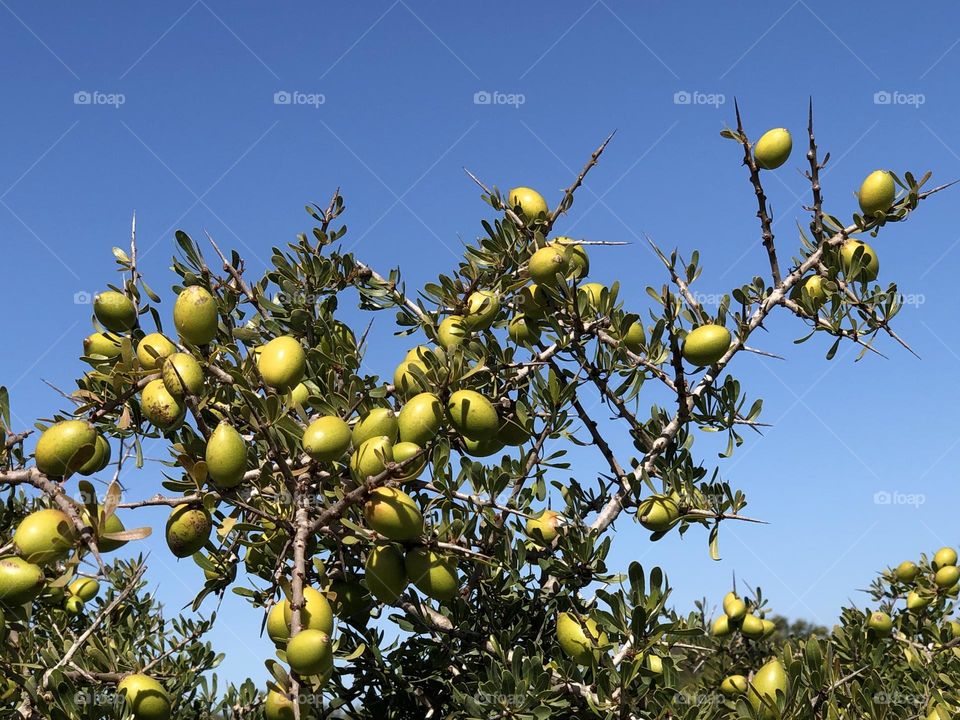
column 415, row 546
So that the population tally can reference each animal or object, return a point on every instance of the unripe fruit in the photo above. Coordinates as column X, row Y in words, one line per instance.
column 483, row 306
column 452, row 331
column 634, row 338
column 326, row 438
column 282, row 363
column 577, row 258
column 547, row 264
column 195, row 315
column 721, row 627
column 420, row 419
column 377, row 422
column 954, row 627
column 386, row 574
column 816, row 296
column 277, row 628
column 482, row 448
column 433, row 574
column 658, row 513
column 102, row 344
column 226, row 456
column 906, row 571
column 65, row 447
column 943, row 557
column 523, row 332
column 869, row 264
column 111, row 525
column 188, row 529
column 309, row 652
column 84, row 588
column 916, row 601
column 20, row 581
column 371, row 458
column 403, row 451
column 45, row 536
column 406, row 380
column 877, row 193
column 880, row 623
column 593, row 292
column 316, row 613
column 769, row 627
column 752, row 627
column 543, row 528
column 160, row 407
column 100, row 458
column 734, row 607
column 300, row 395
column 773, row 148
column 654, row 664
column 706, row 344
column 182, row 375
column 734, row 685
column 393, row 514
column 114, row 310
column 769, row 680
column 352, row 600
column 580, row 642
column 472, row 415
column 73, row 605
column 145, row 697
column 532, row 301
column 280, row 707
column 153, row 349
column 531, row 202
column 947, row 576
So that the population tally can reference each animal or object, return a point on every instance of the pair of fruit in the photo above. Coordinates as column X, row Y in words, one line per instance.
column 71, row 446
column 373, row 456
column 80, row 591
column 389, row 571
column 316, row 614
column 768, row 682
column 558, row 261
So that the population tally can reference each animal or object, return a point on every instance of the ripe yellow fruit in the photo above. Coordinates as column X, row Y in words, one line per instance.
column 482, row 448
column 386, row 574
column 433, row 574
column 706, row 344
column 326, row 438
column 769, row 680
column 658, row 513
column 532, row 301
column 352, row 599
column 580, row 641
column 195, row 315
column 530, row 202
column 316, row 613
column 153, row 349
column 84, row 588
column 734, row 607
column 100, row 458
column 483, row 306
column 880, row 623
column 110, row 526
column 472, row 415
column 577, row 258
column 65, row 446
column 593, row 292
column 104, row 345
column 869, row 266
column 393, row 514
column 188, row 529
column 45, row 536
column 634, row 338
column 877, row 193
column 182, row 375
column 420, row 419
column 20, row 581
column 277, row 627
column 403, row 451
column 947, row 576
column 734, row 685
column 452, row 331
column 548, row 264
column 377, row 422
column 145, row 697
column 226, row 456
column 160, row 407
column 371, row 458
column 115, row 311
column 523, row 332
column 279, row 706
column 906, row 571
column 282, row 363
column 773, row 148
column 309, row 652
column 769, row 627
column 752, row 627
column 721, row 627
column 916, row 601
column 544, row 527
column 943, row 557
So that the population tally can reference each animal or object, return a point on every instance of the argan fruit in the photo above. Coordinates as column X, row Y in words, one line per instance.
column 532, row 301
column 752, row 627
column 768, row 681
column 482, row 448
column 658, row 513
column 420, row 419
column 721, row 627
column 452, row 331
column 734, row 607
column 195, row 315
column 815, row 295
column 352, row 599
column 593, row 292
column 282, row 363
column 182, row 375
column 73, row 605
column 377, row 422
column 404, row 451
column 45, row 536
column 634, row 338
column 277, row 627
column 386, row 574
column 153, row 349
column 226, row 456
column 513, row 431
column 947, row 576
column 371, row 458
column 84, row 588
column 943, row 557
column 706, row 344
column 188, row 529
column 326, row 438
column 577, row 258
column 769, row 627
column 954, row 627
column 433, row 574
column 65, row 446
column 393, row 514
column 472, row 415
column 316, row 613
column 20, row 581
column 523, row 332
column 548, row 264
column 300, row 395
column 114, row 310
column 916, row 601
column 145, row 697
column 530, row 202
column 880, row 624
column 906, row 571
column 734, row 685
column 654, row 664
column 309, row 653
column 580, row 641
column 160, row 407
column 108, row 527
column 544, row 527
column 773, row 148
column 869, row 264
column 483, row 306
column 100, row 458
column 104, row 345
column 279, row 706
column 877, row 193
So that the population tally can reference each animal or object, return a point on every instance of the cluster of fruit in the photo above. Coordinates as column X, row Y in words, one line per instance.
column 942, row 579
column 737, row 617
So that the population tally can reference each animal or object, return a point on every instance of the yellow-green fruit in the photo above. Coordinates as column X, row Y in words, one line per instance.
column 386, row 574
column 114, row 310
column 877, row 193
column 188, row 529
column 352, row 599
column 734, row 685
column 371, row 458
column 947, row 576
column 309, row 652
column 869, row 263
column 593, row 292
column 482, row 448
column 531, row 202
column 544, row 527
column 393, row 514
column 752, row 627
column 769, row 680
column 513, row 431
column 433, row 574
column 906, row 571
column 654, row 664
column 326, row 438
column 20, row 581
column 404, row 451
column 815, row 295
column 65, row 447
column 316, row 613
column 377, row 422
column 300, row 395
column 769, row 627
column 100, row 458
column 406, row 381
column 523, row 332
column 532, row 301
column 277, row 628
column 102, row 344
column 658, row 514
column 483, row 306
column 548, row 264
column 420, row 418
column 282, row 363
column 880, row 623
column 577, row 257
column 773, row 148
column 916, row 601
column 153, row 349
column 182, row 375
column 472, row 415
column 111, row 525
column 160, row 407
column 706, row 344
column 452, row 331
column 280, row 707
column 45, row 536
column 73, row 605
column 580, row 642
column 734, row 607
column 84, row 588
column 721, row 627
column 226, row 456
column 634, row 338
column 145, row 697
column 195, row 315
column 943, row 557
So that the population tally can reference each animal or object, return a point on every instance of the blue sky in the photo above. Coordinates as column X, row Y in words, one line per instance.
column 170, row 109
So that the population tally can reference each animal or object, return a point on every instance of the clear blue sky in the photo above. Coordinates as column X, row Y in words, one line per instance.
column 198, row 143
